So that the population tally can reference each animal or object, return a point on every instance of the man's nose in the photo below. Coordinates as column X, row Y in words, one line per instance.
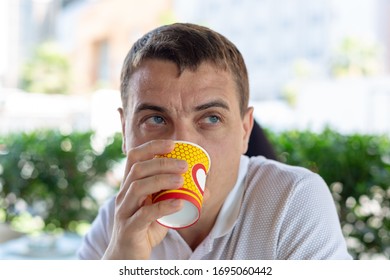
column 184, row 132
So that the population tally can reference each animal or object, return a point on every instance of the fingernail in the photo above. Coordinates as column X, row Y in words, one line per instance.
column 169, row 144
column 182, row 164
column 179, row 180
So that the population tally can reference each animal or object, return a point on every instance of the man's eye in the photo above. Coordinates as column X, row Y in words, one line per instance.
column 212, row 119
column 155, row 120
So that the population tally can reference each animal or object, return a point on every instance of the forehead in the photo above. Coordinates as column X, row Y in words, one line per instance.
column 158, row 80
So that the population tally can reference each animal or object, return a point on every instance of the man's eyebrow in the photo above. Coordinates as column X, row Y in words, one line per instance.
column 205, row 106
column 220, row 104
column 147, row 106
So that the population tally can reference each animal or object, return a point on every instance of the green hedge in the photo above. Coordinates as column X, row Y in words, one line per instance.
column 49, row 174
column 357, row 170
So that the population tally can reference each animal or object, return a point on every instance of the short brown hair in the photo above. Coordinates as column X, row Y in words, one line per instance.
column 187, row 45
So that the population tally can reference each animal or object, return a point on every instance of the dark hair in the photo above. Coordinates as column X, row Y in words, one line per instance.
column 187, row 45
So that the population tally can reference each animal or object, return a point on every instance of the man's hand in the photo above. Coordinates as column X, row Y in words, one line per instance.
column 135, row 230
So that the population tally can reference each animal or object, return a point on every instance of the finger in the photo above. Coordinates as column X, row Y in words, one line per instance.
column 173, row 168
column 148, row 151
column 129, row 202
column 148, row 214
column 157, row 166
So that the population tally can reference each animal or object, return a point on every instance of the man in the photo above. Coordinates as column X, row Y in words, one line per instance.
column 187, row 82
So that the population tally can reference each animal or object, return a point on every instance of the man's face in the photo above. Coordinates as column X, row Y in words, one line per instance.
column 200, row 107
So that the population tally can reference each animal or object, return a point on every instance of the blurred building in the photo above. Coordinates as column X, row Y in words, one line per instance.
column 271, row 35
column 23, row 25
column 279, row 39
column 98, row 35
column 283, row 39
column 95, row 33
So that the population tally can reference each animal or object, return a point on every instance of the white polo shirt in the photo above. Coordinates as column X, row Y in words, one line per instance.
column 275, row 211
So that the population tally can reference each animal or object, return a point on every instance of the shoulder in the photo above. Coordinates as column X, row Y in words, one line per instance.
column 105, row 218
column 295, row 208
column 270, row 175
column 95, row 242
column 277, row 191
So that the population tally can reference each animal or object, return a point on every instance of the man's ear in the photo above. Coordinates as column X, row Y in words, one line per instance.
column 123, row 121
column 247, row 125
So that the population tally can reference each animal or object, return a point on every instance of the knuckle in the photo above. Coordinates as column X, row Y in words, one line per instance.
column 135, row 167
column 135, row 188
column 119, row 198
column 119, row 209
column 135, row 170
column 131, row 154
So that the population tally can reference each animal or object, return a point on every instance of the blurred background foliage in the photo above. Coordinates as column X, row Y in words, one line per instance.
column 357, row 170
column 355, row 57
column 47, row 71
column 51, row 175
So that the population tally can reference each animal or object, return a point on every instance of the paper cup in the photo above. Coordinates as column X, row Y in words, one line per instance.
column 193, row 188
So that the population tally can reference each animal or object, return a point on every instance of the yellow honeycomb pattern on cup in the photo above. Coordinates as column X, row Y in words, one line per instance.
column 194, row 182
column 193, row 154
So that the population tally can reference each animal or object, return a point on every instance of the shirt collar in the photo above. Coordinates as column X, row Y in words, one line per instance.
column 231, row 207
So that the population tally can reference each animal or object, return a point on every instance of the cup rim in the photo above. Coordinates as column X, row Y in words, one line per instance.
column 198, row 146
